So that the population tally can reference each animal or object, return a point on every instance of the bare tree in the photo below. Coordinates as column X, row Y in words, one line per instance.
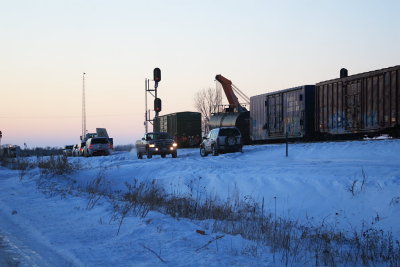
column 206, row 102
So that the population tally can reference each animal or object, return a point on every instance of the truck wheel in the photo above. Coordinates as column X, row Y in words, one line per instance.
column 203, row 151
column 148, row 153
column 163, row 155
column 175, row 154
column 214, row 151
column 139, row 155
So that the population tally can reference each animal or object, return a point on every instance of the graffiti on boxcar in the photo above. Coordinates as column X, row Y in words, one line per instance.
column 293, row 126
column 371, row 120
column 338, row 123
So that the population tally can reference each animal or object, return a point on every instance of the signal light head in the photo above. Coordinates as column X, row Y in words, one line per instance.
column 157, row 75
column 157, row 105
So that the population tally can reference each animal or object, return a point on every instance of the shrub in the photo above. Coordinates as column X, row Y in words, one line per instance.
column 56, row 165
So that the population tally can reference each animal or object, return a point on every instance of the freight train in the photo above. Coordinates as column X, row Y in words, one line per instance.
column 365, row 104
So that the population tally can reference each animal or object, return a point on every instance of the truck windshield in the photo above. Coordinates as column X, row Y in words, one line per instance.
column 158, row 136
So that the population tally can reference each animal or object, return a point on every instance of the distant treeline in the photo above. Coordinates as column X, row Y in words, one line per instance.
column 124, row 147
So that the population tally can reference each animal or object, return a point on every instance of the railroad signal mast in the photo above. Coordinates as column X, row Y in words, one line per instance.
column 157, row 101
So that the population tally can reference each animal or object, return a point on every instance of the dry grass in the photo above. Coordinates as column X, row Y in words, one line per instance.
column 55, row 165
column 290, row 241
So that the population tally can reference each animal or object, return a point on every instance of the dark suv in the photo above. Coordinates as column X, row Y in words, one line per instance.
column 157, row 143
column 221, row 140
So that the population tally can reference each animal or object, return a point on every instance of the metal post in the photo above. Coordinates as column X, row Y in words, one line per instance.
column 145, row 101
column 287, row 145
column 156, row 125
column 148, row 90
column 156, row 115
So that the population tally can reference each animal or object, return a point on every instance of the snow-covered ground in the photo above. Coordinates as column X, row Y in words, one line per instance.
column 312, row 186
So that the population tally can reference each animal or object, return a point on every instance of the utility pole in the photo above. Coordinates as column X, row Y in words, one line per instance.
column 83, row 109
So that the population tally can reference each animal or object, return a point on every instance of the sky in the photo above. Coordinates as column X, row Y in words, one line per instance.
column 262, row 46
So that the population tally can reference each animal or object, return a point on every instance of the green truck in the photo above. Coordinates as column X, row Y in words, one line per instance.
column 183, row 127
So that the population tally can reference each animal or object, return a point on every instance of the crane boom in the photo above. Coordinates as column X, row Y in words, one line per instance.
column 229, row 90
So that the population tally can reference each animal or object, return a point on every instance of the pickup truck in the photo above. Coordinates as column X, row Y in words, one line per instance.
column 156, row 143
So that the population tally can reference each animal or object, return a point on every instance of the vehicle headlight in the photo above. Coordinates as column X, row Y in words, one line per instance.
column 152, row 145
column 174, row 144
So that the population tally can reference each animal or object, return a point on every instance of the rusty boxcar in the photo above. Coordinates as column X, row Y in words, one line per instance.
column 290, row 111
column 358, row 105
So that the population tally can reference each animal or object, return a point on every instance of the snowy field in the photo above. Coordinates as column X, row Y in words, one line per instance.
column 347, row 185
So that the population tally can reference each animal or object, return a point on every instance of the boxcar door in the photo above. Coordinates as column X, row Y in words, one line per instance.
column 353, row 106
column 275, row 115
column 293, row 113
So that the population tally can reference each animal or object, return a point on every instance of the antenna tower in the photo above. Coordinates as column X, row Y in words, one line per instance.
column 83, row 109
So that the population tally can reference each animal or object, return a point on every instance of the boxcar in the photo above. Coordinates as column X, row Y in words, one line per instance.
column 184, row 127
column 361, row 104
column 290, row 111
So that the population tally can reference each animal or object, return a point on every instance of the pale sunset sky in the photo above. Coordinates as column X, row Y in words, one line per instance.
column 262, row 46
